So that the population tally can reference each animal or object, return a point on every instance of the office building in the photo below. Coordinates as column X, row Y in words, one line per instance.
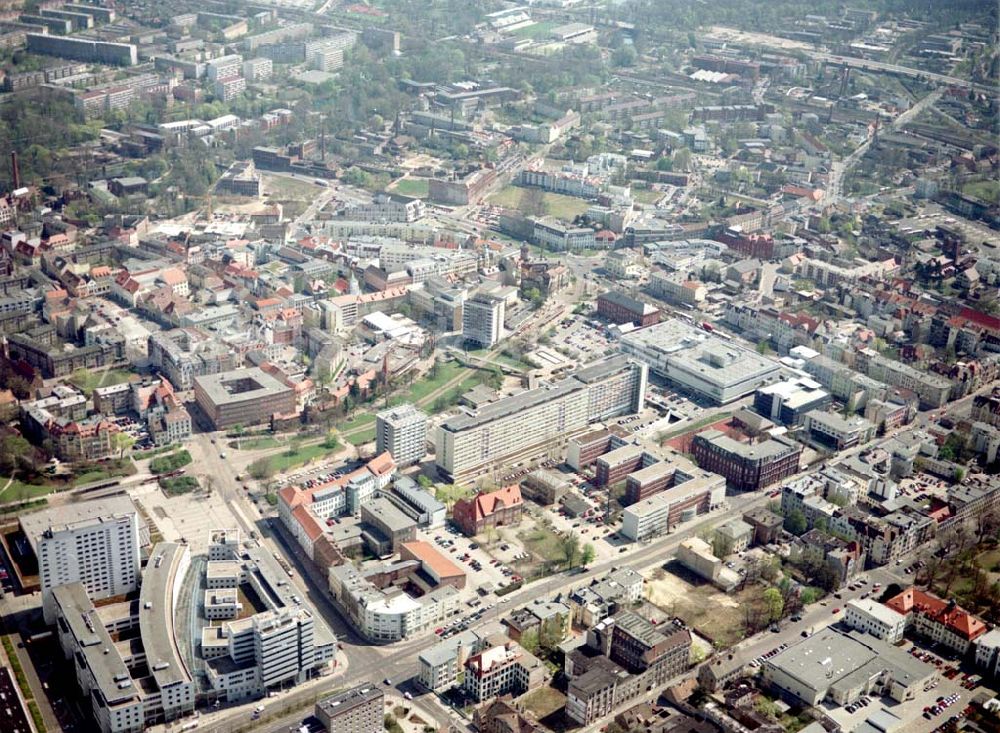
column 872, row 617
column 625, row 656
column 482, row 320
column 357, row 710
column 384, row 527
column 693, row 492
column 534, row 422
column 746, row 466
column 834, row 431
column 620, row 308
column 988, row 652
column 786, row 403
column 698, row 361
column 402, row 431
column 101, row 553
column 121, row 703
column 843, row 667
column 246, row 396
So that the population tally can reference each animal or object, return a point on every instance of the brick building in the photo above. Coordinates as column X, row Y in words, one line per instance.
column 746, row 466
column 620, row 308
column 502, row 507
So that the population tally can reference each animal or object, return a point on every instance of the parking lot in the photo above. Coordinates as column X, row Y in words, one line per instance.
column 581, row 339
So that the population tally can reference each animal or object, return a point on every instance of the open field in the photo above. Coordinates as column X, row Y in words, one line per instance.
column 985, row 190
column 417, row 187
column 544, row 701
column 557, row 205
column 535, row 30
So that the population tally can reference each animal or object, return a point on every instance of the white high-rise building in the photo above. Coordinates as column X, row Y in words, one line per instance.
column 482, row 320
column 101, row 552
column 403, row 432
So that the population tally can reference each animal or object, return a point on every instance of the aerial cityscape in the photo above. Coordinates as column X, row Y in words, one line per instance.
column 484, row 366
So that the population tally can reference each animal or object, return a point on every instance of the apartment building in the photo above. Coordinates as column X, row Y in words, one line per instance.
column 101, row 553
column 932, row 389
column 532, row 422
column 224, row 67
column 482, row 320
column 505, row 668
column 402, row 431
column 385, row 208
column 677, row 287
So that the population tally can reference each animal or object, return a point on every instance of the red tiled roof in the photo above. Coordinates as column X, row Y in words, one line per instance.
column 950, row 615
column 312, row 527
column 425, row 553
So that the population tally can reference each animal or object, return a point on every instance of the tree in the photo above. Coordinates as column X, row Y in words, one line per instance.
column 808, row 596
column 571, row 548
column 774, row 603
column 796, row 523
column 122, row 442
column 532, row 202
column 529, row 640
column 424, row 481
column 261, row 469
column 330, row 442
column 588, row 555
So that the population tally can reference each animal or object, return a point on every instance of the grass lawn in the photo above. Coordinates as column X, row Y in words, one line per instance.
column 646, row 195
column 258, row 443
column 359, row 420
column 423, row 387
column 417, row 187
column 88, row 381
column 364, row 436
column 544, row 543
column 20, row 491
column 556, row 204
column 535, row 30
column 544, row 701
column 985, row 190
column 295, row 457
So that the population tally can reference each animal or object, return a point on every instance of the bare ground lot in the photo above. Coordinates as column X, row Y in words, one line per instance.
column 717, row 616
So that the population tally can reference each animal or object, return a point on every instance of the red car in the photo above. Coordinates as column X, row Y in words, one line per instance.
column 836, row 610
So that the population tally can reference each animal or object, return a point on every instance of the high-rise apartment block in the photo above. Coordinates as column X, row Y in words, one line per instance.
column 403, row 432
column 482, row 320
column 102, row 553
column 532, row 423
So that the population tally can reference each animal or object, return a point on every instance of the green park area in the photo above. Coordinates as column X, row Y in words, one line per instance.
column 87, row 381
column 534, row 202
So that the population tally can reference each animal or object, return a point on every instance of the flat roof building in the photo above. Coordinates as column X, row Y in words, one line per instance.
column 402, row 431
column 746, row 466
column 246, row 396
column 700, row 362
column 357, row 710
column 786, row 403
column 532, row 422
column 844, row 667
